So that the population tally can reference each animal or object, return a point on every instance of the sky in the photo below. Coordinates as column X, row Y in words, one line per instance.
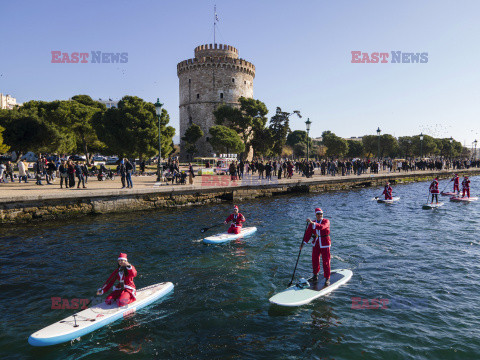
column 301, row 51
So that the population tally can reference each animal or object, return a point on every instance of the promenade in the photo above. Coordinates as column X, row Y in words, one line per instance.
column 13, row 192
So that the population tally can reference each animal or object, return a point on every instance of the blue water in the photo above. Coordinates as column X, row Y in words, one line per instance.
column 424, row 262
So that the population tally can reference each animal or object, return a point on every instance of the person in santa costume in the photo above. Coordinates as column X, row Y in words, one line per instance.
column 125, row 292
column 434, row 190
column 319, row 231
column 387, row 191
column 456, row 183
column 237, row 220
column 465, row 186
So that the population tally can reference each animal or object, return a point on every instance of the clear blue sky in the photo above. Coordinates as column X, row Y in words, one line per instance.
column 301, row 51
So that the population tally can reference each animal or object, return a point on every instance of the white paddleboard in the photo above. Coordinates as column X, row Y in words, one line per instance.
column 449, row 193
column 96, row 317
column 432, row 205
column 463, row 199
column 224, row 237
column 396, row 198
column 298, row 295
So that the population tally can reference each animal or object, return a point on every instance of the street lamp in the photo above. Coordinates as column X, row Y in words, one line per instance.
column 475, row 154
column 158, row 110
column 308, row 123
column 408, row 148
column 421, row 145
column 378, row 143
column 451, row 150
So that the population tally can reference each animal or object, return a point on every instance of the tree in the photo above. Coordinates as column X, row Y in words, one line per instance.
column 192, row 135
column 263, row 142
column 355, row 149
column 24, row 131
column 225, row 140
column 336, row 146
column 296, row 137
column 3, row 147
column 370, row 145
column 131, row 129
column 425, row 147
column 280, row 128
column 388, row 146
column 245, row 120
column 300, row 149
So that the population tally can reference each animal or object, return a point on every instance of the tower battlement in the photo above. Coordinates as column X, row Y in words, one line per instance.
column 216, row 50
column 223, row 62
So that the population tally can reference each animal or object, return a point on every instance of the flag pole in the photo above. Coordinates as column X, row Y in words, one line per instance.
column 214, row 19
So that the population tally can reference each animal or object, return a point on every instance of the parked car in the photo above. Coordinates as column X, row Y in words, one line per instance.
column 77, row 158
column 30, row 157
column 112, row 160
column 99, row 158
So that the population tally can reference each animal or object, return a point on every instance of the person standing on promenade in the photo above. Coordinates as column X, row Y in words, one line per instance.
column 63, row 174
column 84, row 168
column 128, row 172
column 319, row 230
column 191, row 174
column 434, row 190
column 40, row 169
column 125, row 292
column 22, row 171
column 79, row 172
column 456, row 183
column 71, row 174
column 237, row 220
column 9, row 170
column 123, row 172
column 387, row 191
column 466, row 186
column 51, row 169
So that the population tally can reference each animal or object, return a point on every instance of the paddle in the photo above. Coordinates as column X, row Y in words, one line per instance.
column 206, row 228
column 294, row 270
column 441, row 192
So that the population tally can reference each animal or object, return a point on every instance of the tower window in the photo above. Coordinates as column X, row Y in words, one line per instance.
column 207, row 138
column 190, row 120
column 189, row 81
column 198, row 96
column 233, row 80
column 245, row 82
column 221, row 95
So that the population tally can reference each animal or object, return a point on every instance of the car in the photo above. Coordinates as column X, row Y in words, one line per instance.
column 112, row 160
column 29, row 157
column 77, row 158
column 99, row 158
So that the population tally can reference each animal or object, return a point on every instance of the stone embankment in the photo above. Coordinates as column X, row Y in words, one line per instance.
column 56, row 205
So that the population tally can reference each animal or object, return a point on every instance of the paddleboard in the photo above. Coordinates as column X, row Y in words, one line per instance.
column 95, row 317
column 448, row 193
column 396, row 198
column 224, row 237
column 301, row 294
column 464, row 199
column 432, row 205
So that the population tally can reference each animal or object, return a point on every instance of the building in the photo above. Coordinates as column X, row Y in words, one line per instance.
column 109, row 103
column 216, row 75
column 353, row 138
column 8, row 102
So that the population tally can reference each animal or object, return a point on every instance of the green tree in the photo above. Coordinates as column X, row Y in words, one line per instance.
column 131, row 129
column 388, row 146
column 296, row 137
column 279, row 129
column 3, row 147
column 370, row 145
column 300, row 149
column 426, row 147
column 191, row 136
column 225, row 140
column 245, row 120
column 336, row 146
column 263, row 142
column 405, row 146
column 355, row 149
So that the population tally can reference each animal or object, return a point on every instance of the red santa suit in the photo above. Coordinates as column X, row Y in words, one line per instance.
column 320, row 232
column 125, row 292
column 237, row 221
column 466, row 186
column 388, row 192
column 434, row 187
column 456, row 183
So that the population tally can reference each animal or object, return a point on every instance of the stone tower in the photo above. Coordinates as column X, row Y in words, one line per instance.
column 214, row 76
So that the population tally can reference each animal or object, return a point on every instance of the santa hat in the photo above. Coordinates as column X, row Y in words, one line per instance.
column 235, row 207
column 318, row 211
column 122, row 256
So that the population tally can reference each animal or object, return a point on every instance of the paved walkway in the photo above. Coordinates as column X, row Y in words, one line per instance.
column 147, row 184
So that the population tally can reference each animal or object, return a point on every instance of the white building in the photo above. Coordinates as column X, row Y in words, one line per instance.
column 7, row 102
column 109, row 103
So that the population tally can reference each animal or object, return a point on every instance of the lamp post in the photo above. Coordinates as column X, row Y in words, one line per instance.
column 378, row 143
column 421, row 146
column 308, row 123
column 475, row 153
column 408, row 148
column 158, row 110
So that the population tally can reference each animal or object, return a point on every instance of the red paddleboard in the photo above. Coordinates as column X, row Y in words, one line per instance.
column 448, row 193
column 464, row 199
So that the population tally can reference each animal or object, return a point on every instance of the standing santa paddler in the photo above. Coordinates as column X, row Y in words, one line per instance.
column 125, row 292
column 237, row 220
column 387, row 191
column 434, row 190
column 465, row 186
column 456, row 183
column 319, row 231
